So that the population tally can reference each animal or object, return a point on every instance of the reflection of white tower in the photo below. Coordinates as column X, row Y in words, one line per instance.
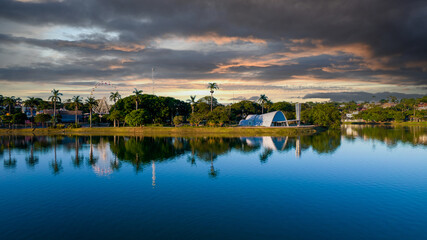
column 153, row 166
column 298, row 147
column 103, row 167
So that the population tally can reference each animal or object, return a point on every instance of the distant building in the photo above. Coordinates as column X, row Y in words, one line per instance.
column 351, row 115
column 65, row 115
column 27, row 111
column 388, row 105
column 422, row 106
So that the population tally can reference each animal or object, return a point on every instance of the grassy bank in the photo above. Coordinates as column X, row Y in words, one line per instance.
column 169, row 131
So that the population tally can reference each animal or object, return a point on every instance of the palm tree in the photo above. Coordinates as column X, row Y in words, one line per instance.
column 31, row 102
column 76, row 101
column 137, row 96
column 115, row 96
column 55, row 97
column 192, row 101
column 262, row 99
column 11, row 102
column 212, row 87
column 91, row 102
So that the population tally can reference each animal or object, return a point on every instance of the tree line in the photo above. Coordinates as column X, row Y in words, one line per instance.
column 141, row 109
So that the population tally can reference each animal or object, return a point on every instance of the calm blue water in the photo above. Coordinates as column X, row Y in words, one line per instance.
column 361, row 183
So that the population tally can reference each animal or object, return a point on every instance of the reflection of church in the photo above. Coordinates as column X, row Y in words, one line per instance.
column 273, row 143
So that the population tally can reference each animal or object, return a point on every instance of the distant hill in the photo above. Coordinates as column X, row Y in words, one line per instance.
column 359, row 96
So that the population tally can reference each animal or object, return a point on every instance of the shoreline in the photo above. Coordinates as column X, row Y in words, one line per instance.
column 170, row 131
column 422, row 124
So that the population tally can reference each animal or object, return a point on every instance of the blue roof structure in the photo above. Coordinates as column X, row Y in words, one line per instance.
column 265, row 120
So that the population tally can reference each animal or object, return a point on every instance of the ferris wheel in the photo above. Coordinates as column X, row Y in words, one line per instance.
column 102, row 89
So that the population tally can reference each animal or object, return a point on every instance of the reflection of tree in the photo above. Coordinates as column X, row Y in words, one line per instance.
column 325, row 142
column 390, row 135
column 10, row 162
column 78, row 160
column 32, row 160
column 213, row 173
column 55, row 165
column 263, row 157
column 115, row 164
column 91, row 160
column 140, row 151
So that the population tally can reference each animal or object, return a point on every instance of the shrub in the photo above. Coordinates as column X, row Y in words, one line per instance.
column 177, row 120
column 74, row 125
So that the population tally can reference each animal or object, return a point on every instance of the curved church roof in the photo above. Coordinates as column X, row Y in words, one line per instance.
column 265, row 120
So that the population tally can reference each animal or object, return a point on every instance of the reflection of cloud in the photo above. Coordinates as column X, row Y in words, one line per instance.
column 102, row 167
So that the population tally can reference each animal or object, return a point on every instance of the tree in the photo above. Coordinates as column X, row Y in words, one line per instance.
column 212, row 87
column 192, row 101
column 6, row 119
column 31, row 102
column 115, row 96
column 76, row 101
column 55, row 97
column 114, row 116
column 19, row 118
column 137, row 96
column 178, row 120
column 137, row 118
column 196, row 118
column 11, row 102
column 262, row 100
column 326, row 115
column 42, row 104
column 42, row 118
column 91, row 102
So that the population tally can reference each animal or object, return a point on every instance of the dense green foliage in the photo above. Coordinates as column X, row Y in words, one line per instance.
column 137, row 118
column 42, row 118
column 326, row 115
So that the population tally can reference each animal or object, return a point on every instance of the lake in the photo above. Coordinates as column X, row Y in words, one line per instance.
column 363, row 182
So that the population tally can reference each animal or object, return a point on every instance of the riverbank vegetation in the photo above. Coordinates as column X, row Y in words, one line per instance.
column 141, row 109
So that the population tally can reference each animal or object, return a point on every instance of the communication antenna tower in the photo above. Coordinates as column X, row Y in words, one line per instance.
column 152, row 76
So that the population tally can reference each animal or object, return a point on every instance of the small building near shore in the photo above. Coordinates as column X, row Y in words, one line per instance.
column 65, row 115
column 270, row 119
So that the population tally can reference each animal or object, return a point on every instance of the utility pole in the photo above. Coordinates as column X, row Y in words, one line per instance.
column 152, row 77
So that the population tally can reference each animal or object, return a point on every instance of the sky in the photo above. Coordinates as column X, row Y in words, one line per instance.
column 292, row 50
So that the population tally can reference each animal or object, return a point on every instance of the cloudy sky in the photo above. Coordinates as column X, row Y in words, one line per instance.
column 290, row 49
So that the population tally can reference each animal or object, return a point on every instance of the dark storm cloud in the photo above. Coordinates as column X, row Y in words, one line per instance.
column 391, row 29
column 359, row 96
column 390, row 26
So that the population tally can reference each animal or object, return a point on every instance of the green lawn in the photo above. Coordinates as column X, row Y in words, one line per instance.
column 171, row 131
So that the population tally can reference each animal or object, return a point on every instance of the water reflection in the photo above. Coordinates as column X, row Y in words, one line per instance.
column 414, row 135
column 105, row 155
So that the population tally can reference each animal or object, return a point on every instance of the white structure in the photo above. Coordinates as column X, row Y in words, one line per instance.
column 298, row 113
column 102, row 107
column 270, row 119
